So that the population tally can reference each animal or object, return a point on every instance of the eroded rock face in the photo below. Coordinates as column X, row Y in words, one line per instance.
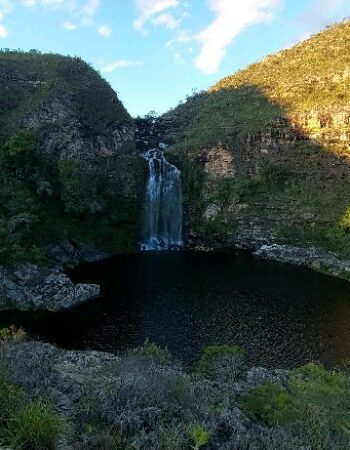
column 329, row 127
column 245, row 220
column 110, row 153
column 219, row 162
column 28, row 288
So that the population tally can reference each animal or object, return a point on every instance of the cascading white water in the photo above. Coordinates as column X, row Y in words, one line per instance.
column 163, row 204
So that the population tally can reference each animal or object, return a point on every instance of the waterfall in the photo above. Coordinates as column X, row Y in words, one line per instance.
column 163, row 204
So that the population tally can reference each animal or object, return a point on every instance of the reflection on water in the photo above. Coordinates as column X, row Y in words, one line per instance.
column 283, row 316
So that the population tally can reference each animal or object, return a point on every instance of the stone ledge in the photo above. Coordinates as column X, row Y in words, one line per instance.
column 28, row 288
column 313, row 258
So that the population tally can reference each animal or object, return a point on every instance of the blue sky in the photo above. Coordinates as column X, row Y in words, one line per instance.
column 154, row 52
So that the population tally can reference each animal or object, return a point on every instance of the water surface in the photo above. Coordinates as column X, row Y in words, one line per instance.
column 283, row 316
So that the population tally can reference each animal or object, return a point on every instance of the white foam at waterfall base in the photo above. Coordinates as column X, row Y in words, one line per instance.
column 162, row 228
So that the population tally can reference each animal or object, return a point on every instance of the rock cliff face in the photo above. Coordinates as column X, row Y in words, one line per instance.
column 111, row 150
column 265, row 153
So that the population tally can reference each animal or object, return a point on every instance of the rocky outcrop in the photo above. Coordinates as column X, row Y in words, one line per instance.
column 110, row 153
column 313, row 258
column 28, row 288
column 218, row 162
column 330, row 127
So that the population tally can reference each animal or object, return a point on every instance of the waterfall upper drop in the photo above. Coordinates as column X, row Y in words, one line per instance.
column 163, row 204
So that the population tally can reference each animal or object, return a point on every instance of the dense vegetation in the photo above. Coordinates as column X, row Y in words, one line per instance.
column 46, row 197
column 40, row 206
column 147, row 400
column 285, row 120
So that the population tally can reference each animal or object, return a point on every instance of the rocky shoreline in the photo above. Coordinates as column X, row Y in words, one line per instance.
column 312, row 258
column 29, row 287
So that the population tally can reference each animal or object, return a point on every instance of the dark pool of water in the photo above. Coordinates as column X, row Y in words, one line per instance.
column 283, row 316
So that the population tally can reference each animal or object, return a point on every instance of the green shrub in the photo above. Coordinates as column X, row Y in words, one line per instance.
column 35, row 426
column 269, row 403
column 314, row 384
column 12, row 334
column 79, row 190
column 331, row 238
column 192, row 177
column 245, row 187
column 274, row 176
column 216, row 227
column 10, row 399
column 238, row 188
column 20, row 155
column 200, row 436
column 5, row 398
column 153, row 353
column 222, row 362
column 345, row 221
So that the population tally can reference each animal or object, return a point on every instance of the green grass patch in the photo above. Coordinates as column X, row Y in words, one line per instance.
column 270, row 404
column 34, row 426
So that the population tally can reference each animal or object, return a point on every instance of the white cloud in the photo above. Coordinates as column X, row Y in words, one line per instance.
column 3, row 32
column 69, row 26
column 105, row 31
column 119, row 64
column 5, row 8
column 166, row 19
column 151, row 10
column 230, row 19
column 5, row 4
column 29, row 3
column 89, row 10
column 54, row 3
column 82, row 10
column 47, row 3
column 182, row 36
column 67, row 5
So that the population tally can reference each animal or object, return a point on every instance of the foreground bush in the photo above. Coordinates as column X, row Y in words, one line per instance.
column 35, row 426
column 270, row 404
column 222, row 362
column 146, row 400
column 25, row 424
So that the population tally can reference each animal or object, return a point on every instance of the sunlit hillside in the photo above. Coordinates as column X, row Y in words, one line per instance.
column 308, row 84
